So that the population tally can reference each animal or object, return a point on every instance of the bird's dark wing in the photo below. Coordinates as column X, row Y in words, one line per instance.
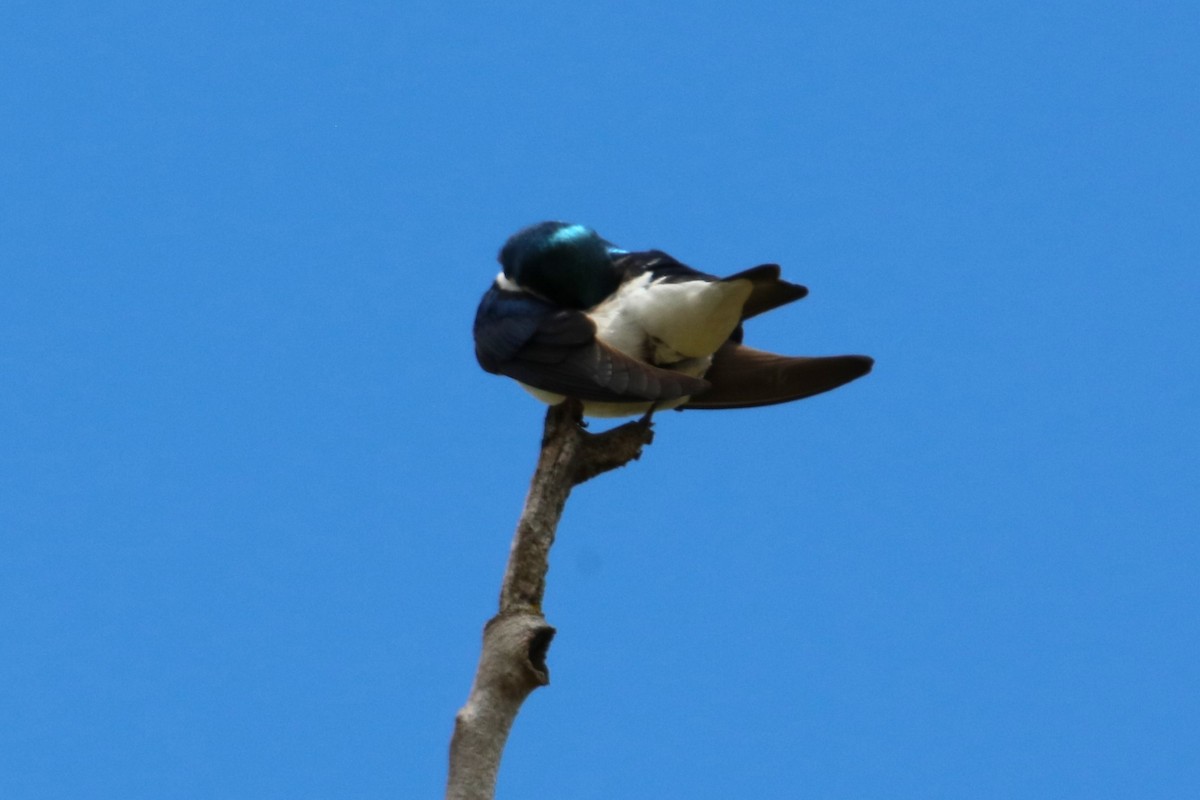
column 743, row 377
column 662, row 265
column 556, row 350
column 770, row 291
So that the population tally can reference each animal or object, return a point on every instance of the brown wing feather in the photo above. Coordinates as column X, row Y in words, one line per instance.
column 743, row 377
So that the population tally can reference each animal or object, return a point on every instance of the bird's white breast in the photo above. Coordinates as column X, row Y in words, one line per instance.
column 665, row 322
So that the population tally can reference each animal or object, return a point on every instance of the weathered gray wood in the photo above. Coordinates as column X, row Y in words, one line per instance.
column 515, row 642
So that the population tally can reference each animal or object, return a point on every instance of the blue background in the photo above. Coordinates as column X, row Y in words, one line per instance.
column 256, row 496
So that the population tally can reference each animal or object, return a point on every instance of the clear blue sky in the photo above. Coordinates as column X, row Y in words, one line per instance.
column 256, row 496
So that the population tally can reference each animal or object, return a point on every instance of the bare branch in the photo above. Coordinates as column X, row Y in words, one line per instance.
column 525, row 579
column 516, row 640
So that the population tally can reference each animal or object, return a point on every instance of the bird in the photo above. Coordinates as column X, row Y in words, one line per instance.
column 627, row 333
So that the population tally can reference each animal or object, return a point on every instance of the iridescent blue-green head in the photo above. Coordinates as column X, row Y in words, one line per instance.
column 569, row 265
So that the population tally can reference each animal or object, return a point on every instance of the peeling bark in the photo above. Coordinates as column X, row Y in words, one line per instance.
column 516, row 640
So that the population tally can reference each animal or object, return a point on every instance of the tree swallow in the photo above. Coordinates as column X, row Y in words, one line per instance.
column 573, row 315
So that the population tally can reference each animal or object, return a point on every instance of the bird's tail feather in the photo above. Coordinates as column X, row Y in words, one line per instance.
column 743, row 377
